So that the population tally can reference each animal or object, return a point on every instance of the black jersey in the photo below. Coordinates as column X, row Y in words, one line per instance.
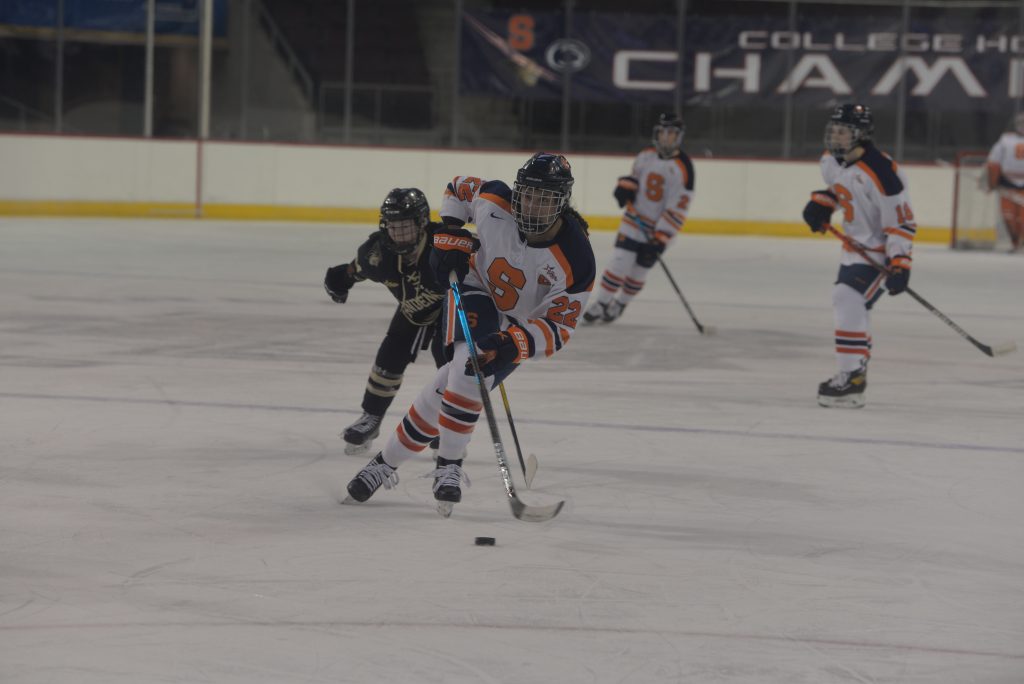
column 407, row 276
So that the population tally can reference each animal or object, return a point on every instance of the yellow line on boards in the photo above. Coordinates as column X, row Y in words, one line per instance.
column 274, row 212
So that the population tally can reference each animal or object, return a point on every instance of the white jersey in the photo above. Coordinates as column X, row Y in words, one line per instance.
column 1007, row 155
column 664, row 191
column 873, row 196
column 540, row 288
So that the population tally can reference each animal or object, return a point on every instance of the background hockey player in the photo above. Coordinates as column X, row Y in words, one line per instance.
column 398, row 255
column 656, row 196
column 871, row 191
column 1006, row 175
column 525, row 276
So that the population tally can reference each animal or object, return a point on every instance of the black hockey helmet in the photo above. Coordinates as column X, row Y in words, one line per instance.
column 403, row 216
column 542, row 190
column 855, row 118
column 667, row 135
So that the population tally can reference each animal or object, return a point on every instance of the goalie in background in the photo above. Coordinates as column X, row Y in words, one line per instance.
column 1006, row 176
column 397, row 255
column 871, row 191
column 656, row 197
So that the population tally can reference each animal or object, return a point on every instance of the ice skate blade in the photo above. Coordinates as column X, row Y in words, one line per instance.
column 349, row 501
column 855, row 401
column 444, row 508
column 357, row 449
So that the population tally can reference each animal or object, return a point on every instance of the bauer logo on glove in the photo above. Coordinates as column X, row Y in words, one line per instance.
column 453, row 248
column 499, row 350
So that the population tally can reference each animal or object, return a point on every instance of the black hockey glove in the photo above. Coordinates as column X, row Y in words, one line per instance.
column 818, row 211
column 452, row 249
column 899, row 274
column 498, row 351
column 647, row 254
column 625, row 191
column 338, row 282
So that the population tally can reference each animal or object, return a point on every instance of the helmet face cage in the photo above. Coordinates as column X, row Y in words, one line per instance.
column 403, row 234
column 541, row 191
column 403, row 216
column 536, row 209
column 668, row 135
column 848, row 127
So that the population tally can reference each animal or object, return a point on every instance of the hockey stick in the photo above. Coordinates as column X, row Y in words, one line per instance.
column 703, row 329
column 530, row 465
column 520, row 510
column 998, row 350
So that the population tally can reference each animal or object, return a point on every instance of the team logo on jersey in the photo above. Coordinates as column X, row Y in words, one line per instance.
column 548, row 276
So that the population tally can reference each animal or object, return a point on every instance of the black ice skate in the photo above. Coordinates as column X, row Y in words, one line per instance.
column 613, row 310
column 844, row 390
column 369, row 480
column 359, row 435
column 595, row 313
column 448, row 478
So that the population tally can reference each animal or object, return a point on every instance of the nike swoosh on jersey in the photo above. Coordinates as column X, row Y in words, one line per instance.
column 493, row 215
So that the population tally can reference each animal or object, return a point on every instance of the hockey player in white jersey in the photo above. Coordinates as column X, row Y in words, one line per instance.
column 656, row 196
column 1006, row 176
column 871, row 191
column 525, row 278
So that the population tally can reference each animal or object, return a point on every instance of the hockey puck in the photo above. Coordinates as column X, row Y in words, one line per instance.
column 484, row 541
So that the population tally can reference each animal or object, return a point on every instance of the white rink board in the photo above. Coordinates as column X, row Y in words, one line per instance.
column 172, row 393
column 264, row 174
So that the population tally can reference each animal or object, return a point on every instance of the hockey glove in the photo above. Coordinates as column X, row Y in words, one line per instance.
column 452, row 249
column 338, row 282
column 647, row 254
column 625, row 191
column 498, row 351
column 818, row 211
column 899, row 274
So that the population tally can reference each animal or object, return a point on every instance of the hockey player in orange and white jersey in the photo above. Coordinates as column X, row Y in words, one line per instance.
column 525, row 278
column 871, row 191
column 1006, row 176
column 656, row 196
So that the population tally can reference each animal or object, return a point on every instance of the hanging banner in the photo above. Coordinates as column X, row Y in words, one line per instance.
column 742, row 60
column 38, row 18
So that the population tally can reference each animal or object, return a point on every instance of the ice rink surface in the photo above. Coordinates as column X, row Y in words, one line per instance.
column 171, row 394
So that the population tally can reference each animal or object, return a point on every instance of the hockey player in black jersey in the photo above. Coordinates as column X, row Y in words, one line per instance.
column 397, row 255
